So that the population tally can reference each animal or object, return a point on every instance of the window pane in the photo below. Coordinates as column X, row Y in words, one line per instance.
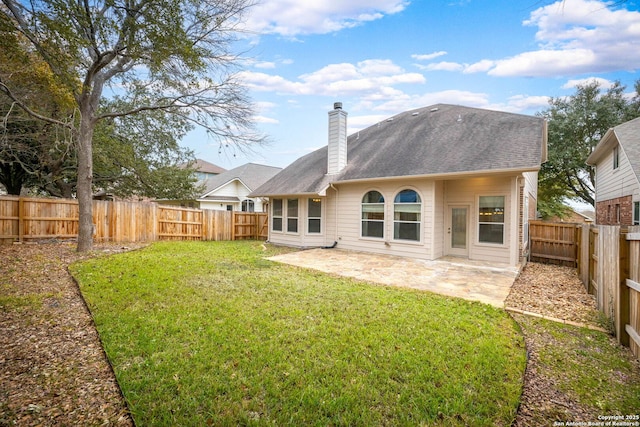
column 491, row 209
column 314, row 225
column 373, row 197
column 407, row 196
column 277, row 224
column 406, row 231
column 277, row 207
column 292, row 225
column 373, row 207
column 315, row 208
column 636, row 213
column 292, row 208
column 373, row 229
column 491, row 233
column 373, row 215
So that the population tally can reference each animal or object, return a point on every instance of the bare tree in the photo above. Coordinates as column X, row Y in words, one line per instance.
column 154, row 55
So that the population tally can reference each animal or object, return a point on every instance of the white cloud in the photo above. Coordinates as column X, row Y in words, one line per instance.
column 572, row 84
column 366, row 78
column 479, row 67
column 294, row 17
column 575, row 36
column 428, row 56
column 442, row 66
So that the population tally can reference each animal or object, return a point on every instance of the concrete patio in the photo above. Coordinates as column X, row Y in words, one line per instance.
column 486, row 282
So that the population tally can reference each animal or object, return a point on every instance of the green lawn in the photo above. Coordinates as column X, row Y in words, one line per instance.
column 211, row 333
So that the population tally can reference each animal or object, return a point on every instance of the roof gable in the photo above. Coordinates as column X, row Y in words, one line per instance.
column 437, row 140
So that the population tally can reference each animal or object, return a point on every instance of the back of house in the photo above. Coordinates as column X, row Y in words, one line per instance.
column 443, row 180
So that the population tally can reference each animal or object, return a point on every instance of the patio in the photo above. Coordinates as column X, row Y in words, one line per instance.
column 486, row 282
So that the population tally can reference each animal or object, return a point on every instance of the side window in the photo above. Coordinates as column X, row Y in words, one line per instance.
column 292, row 215
column 372, row 218
column 616, row 157
column 276, row 221
column 636, row 213
column 314, row 215
column 407, row 208
column 491, row 219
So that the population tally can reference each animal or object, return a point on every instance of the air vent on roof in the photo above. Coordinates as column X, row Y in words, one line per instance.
column 415, row 114
column 390, row 119
column 433, row 110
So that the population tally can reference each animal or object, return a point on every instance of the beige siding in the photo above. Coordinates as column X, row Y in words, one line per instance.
column 349, row 219
column 468, row 191
column 614, row 183
column 342, row 218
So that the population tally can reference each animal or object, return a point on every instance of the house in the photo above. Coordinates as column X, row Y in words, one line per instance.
column 229, row 190
column 616, row 159
column 436, row 181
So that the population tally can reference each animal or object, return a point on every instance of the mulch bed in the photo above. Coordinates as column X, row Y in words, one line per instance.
column 53, row 370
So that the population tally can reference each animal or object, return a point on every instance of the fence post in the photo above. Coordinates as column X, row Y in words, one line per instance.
column 21, row 215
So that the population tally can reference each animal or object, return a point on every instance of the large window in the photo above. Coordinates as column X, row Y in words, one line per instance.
column 373, row 215
column 292, row 215
column 406, row 215
column 276, row 215
column 491, row 219
column 314, row 215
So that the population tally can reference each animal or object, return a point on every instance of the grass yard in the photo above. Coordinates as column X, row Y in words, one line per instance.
column 211, row 333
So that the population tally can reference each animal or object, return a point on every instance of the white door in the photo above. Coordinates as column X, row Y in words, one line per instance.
column 457, row 236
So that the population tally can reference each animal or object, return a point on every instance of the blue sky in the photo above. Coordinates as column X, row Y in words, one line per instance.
column 383, row 57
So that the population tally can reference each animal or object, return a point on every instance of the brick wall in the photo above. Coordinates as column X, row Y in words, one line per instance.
column 617, row 211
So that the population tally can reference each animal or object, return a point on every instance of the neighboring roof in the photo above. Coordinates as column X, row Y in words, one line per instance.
column 252, row 175
column 627, row 135
column 437, row 140
column 206, row 167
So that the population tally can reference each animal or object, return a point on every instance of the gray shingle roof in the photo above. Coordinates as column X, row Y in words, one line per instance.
column 436, row 140
column 251, row 174
column 206, row 167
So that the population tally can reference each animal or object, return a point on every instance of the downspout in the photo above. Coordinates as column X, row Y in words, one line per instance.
column 335, row 242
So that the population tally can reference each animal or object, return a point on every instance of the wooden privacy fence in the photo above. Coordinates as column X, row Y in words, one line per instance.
column 27, row 219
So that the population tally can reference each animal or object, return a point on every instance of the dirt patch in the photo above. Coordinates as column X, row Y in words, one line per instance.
column 53, row 370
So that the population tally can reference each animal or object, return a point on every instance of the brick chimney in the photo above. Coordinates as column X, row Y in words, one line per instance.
column 337, row 156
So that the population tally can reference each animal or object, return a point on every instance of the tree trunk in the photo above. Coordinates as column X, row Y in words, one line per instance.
column 85, row 179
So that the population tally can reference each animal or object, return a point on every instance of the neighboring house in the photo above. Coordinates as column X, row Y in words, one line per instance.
column 206, row 170
column 436, row 181
column 230, row 190
column 616, row 159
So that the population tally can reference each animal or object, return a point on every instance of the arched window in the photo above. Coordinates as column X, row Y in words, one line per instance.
column 248, row 206
column 407, row 207
column 373, row 215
